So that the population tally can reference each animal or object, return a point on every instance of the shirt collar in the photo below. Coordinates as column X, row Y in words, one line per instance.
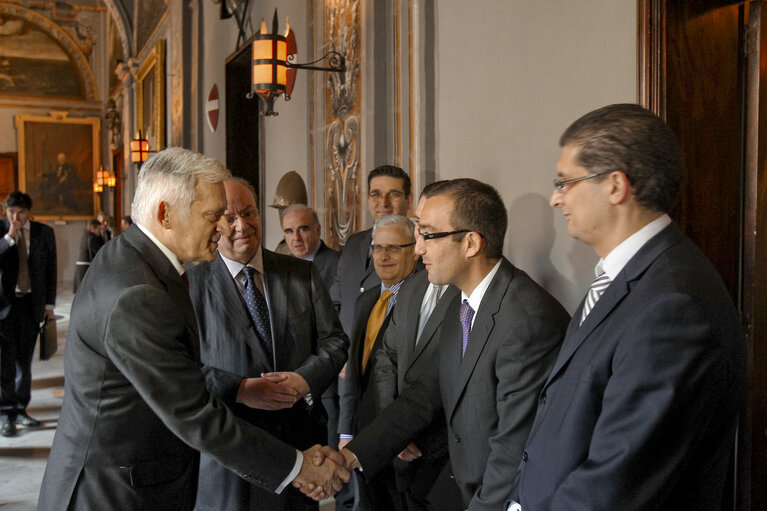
column 173, row 258
column 479, row 292
column 613, row 263
column 235, row 267
column 311, row 256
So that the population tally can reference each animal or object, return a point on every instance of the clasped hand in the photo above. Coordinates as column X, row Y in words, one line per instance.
column 272, row 391
column 322, row 474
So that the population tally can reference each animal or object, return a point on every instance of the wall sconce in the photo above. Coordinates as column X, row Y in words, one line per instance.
column 139, row 149
column 104, row 178
column 273, row 71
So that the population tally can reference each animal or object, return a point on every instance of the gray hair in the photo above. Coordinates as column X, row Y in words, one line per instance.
column 301, row 207
column 396, row 220
column 171, row 175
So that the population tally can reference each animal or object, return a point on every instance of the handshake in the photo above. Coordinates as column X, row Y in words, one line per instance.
column 323, row 471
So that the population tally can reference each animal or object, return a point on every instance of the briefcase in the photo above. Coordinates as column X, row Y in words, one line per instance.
column 48, row 340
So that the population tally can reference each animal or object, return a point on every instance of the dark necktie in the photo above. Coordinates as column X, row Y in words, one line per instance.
column 595, row 291
column 23, row 280
column 466, row 315
column 259, row 312
column 185, row 278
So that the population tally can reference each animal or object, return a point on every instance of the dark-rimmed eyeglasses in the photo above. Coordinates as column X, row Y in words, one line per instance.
column 561, row 184
column 389, row 249
column 392, row 195
column 426, row 236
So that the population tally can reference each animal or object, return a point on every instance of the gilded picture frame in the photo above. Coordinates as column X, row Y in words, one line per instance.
column 58, row 159
column 150, row 97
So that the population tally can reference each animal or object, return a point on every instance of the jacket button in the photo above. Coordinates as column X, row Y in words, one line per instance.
column 362, row 290
column 458, row 439
column 543, row 398
column 524, row 456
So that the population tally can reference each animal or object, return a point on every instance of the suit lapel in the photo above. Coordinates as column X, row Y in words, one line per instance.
column 433, row 323
column 365, row 255
column 34, row 237
column 480, row 331
column 412, row 301
column 613, row 295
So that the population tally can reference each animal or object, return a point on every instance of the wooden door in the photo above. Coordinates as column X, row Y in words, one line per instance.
column 8, row 174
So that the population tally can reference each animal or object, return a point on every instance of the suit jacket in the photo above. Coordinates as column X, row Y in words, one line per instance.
column 401, row 360
column 488, row 396
column 42, row 269
column 326, row 261
column 308, row 340
column 641, row 407
column 89, row 244
column 356, row 398
column 137, row 410
column 354, row 276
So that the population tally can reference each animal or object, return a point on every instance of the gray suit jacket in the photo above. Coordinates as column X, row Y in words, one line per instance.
column 641, row 407
column 355, row 275
column 326, row 261
column 137, row 410
column 488, row 396
column 400, row 361
column 307, row 339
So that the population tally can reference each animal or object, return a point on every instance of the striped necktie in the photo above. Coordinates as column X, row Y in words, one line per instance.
column 595, row 291
column 466, row 314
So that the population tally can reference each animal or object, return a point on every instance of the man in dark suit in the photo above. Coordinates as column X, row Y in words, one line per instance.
column 409, row 343
column 287, row 364
column 137, row 412
column 106, row 230
column 302, row 230
column 394, row 260
column 28, row 276
column 641, row 407
column 388, row 194
column 498, row 343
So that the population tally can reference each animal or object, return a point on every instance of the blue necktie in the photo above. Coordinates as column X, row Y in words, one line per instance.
column 466, row 315
column 259, row 312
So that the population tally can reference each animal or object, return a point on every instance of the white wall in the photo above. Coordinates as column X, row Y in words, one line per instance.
column 511, row 76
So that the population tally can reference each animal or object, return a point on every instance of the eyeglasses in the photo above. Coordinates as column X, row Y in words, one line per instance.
column 389, row 249
column 562, row 184
column 245, row 214
column 436, row 235
column 392, row 195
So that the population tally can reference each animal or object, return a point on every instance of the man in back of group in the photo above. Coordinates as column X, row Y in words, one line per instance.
column 302, row 231
column 388, row 194
column 136, row 411
column 394, row 260
column 28, row 272
column 641, row 408
column 498, row 342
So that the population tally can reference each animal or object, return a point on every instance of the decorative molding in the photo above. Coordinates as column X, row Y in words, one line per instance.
column 651, row 55
column 67, row 43
column 342, row 157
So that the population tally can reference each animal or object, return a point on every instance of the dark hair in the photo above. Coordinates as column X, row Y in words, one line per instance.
column 93, row 222
column 432, row 189
column 18, row 199
column 631, row 139
column 477, row 207
column 128, row 220
column 391, row 171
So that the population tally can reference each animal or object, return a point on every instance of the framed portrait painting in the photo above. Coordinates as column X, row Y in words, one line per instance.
column 150, row 94
column 58, row 159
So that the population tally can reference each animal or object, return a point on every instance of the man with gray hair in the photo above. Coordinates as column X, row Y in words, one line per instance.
column 137, row 412
column 394, row 259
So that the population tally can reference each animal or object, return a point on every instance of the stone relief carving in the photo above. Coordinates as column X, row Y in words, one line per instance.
column 343, row 124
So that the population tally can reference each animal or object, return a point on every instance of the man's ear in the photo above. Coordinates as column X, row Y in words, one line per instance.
column 163, row 214
column 620, row 187
column 475, row 243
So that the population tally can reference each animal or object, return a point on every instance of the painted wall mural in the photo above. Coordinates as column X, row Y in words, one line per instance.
column 342, row 111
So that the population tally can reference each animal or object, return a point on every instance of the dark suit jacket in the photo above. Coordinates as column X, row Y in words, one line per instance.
column 356, row 396
column 308, row 340
column 137, row 410
column 355, row 275
column 488, row 396
column 326, row 261
column 640, row 409
column 400, row 360
column 42, row 269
